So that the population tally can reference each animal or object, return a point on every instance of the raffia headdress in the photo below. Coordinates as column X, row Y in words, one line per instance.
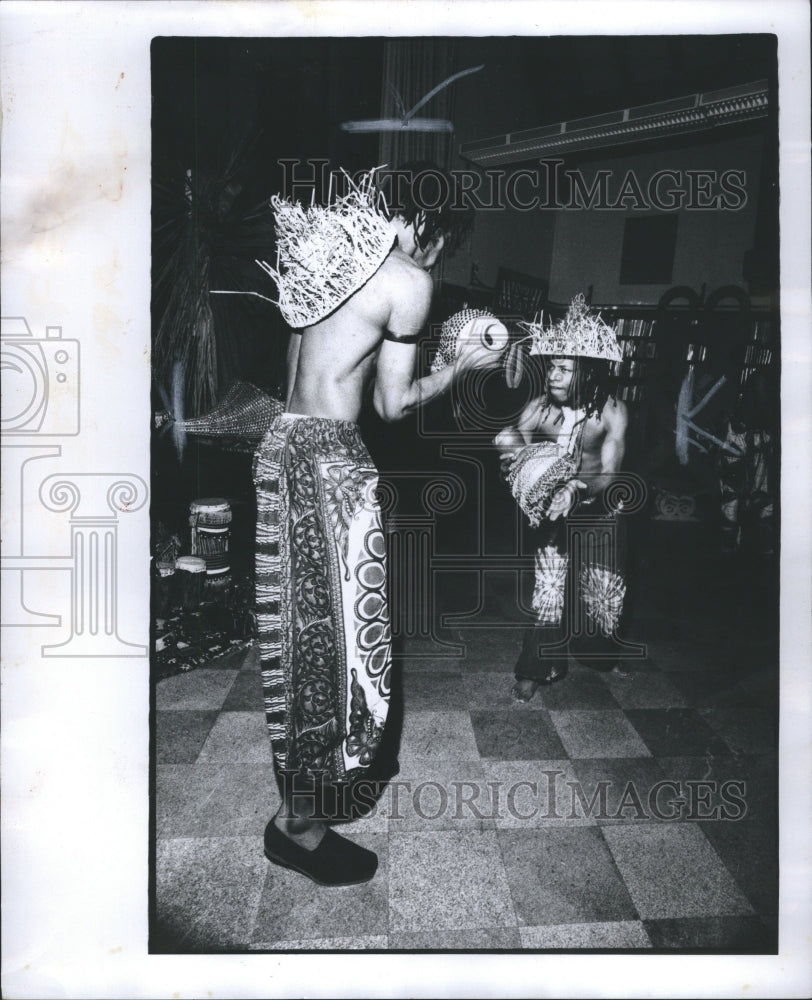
column 326, row 253
column 580, row 334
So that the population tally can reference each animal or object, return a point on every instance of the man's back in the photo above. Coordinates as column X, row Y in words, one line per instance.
column 335, row 359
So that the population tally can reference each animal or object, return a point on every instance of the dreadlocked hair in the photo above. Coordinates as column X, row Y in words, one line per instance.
column 593, row 386
column 404, row 194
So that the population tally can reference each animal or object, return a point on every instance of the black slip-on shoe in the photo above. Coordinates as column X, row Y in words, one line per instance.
column 336, row 861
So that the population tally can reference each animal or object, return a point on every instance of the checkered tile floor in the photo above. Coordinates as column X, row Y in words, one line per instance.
column 488, row 844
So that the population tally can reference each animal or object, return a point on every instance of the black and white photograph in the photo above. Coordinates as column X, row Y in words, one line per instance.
column 414, row 542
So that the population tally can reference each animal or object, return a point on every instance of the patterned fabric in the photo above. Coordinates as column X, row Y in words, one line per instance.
column 322, row 612
column 579, row 592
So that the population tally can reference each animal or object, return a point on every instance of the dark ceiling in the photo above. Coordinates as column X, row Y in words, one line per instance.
column 296, row 91
column 572, row 77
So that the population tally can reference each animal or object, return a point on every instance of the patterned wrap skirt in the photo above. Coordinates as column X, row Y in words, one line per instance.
column 322, row 612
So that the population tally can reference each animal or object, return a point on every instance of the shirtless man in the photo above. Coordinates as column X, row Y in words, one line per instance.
column 321, row 575
column 577, row 414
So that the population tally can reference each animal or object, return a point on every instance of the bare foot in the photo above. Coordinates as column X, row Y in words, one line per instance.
column 524, row 689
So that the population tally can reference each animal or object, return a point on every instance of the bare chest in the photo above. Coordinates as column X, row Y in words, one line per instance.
column 565, row 427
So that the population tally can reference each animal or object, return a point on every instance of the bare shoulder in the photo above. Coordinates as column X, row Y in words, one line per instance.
column 615, row 416
column 408, row 290
column 404, row 275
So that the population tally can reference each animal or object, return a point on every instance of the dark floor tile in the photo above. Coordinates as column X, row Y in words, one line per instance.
column 643, row 690
column 251, row 660
column 207, row 892
column 180, row 735
column 750, row 852
column 747, row 935
column 629, row 795
column 412, row 650
column 237, row 738
column 745, row 729
column 760, row 687
column 684, row 656
column 702, row 689
column 669, row 732
column 245, row 694
column 419, row 664
column 493, row 690
column 214, row 800
column 635, row 665
column 509, row 735
column 432, row 689
column 583, row 687
column 563, row 875
column 238, row 658
column 743, row 786
column 491, row 665
column 493, row 648
column 292, row 908
column 647, row 629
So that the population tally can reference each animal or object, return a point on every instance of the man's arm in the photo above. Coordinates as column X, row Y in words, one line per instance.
column 615, row 419
column 294, row 346
column 397, row 392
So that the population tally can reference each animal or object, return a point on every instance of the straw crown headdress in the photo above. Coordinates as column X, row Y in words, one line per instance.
column 326, row 253
column 580, row 334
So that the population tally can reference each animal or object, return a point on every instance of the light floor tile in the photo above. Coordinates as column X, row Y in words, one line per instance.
column 447, row 880
column 616, row 934
column 371, row 942
column 292, row 908
column 430, row 736
column 207, row 892
column 672, row 871
column 586, row 733
column 197, row 689
column 529, row 794
column 439, row 795
column 470, row 939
